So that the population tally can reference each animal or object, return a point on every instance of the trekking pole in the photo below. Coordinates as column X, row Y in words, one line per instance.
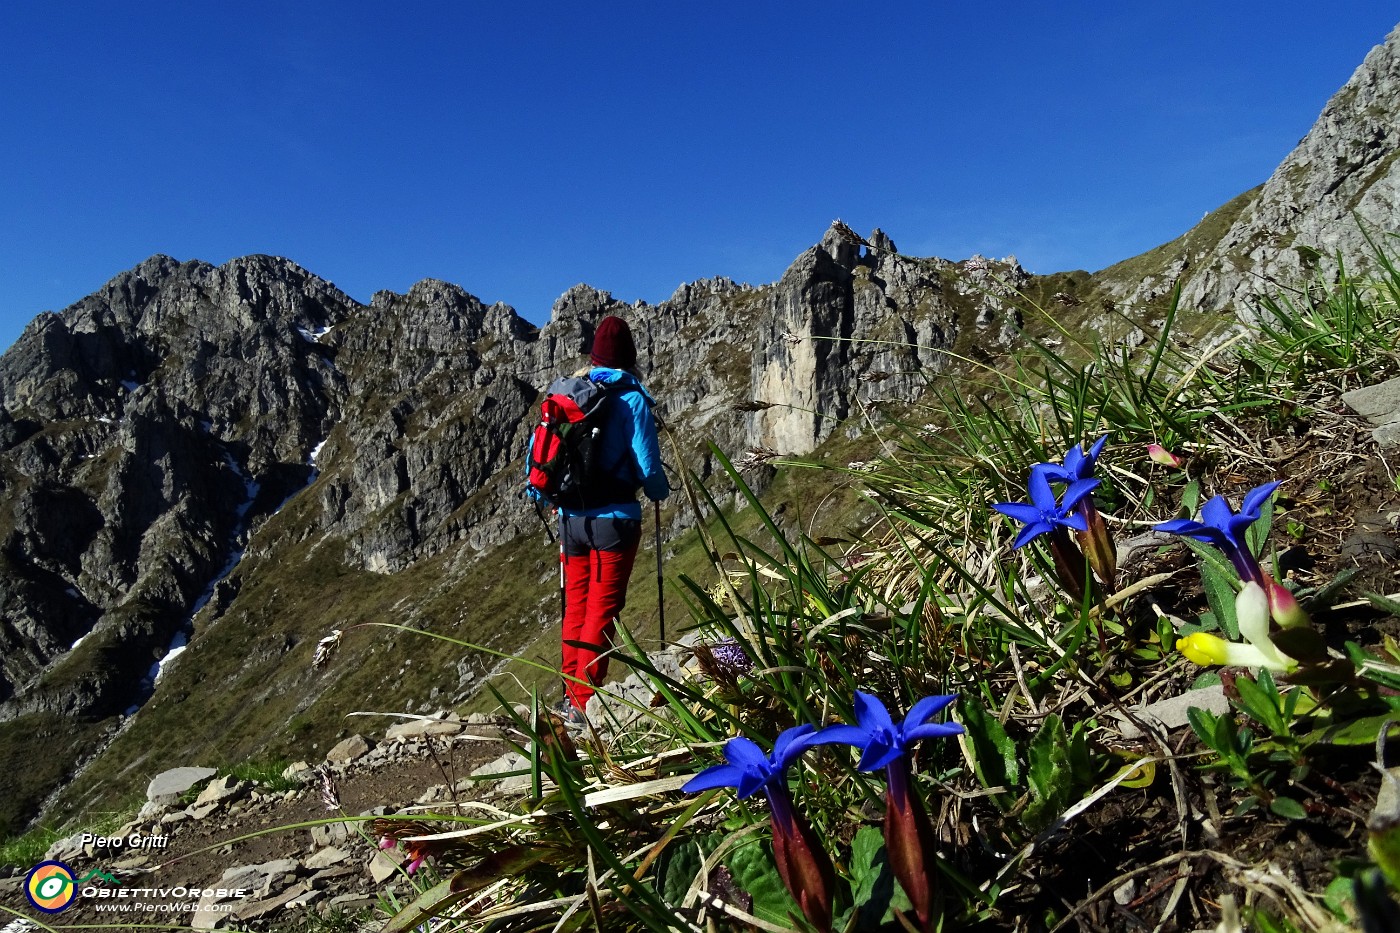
column 656, row 504
column 660, row 589
column 563, row 608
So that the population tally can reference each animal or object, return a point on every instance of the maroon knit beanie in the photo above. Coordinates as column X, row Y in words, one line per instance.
column 612, row 345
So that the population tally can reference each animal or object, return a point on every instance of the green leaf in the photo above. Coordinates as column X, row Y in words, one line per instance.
column 1384, row 603
column 1340, row 898
column 993, row 752
column 1049, row 774
column 1191, row 498
column 1083, row 770
column 873, row 889
column 1288, row 808
column 1258, row 703
column 1203, row 724
column 1360, row 656
column 1383, row 844
column 755, row 873
column 1256, row 534
column 1261, row 921
column 1227, row 739
column 685, row 859
column 1218, row 580
column 1208, row 679
column 1323, row 597
column 1205, row 622
column 867, row 852
column 1363, row 731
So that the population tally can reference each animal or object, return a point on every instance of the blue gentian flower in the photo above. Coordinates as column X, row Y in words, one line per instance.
column 909, row 836
column 1043, row 514
column 1075, row 511
column 1078, row 464
column 802, row 863
column 1225, row 528
column 876, row 735
column 749, row 769
column 1094, row 539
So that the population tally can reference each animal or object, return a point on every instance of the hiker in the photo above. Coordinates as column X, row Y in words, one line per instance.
column 600, row 527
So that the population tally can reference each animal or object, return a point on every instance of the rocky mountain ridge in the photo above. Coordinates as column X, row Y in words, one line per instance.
column 1336, row 194
column 155, row 429
column 242, row 458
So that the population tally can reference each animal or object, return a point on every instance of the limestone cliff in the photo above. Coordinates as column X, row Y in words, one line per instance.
column 1339, row 186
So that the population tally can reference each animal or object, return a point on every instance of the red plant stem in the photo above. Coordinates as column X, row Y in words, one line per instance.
column 802, row 863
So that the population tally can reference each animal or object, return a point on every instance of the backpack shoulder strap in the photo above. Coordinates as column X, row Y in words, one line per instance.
column 584, row 393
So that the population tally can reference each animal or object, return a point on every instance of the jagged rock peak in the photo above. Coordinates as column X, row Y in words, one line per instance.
column 845, row 253
column 250, row 287
column 435, row 295
column 882, row 242
column 719, row 285
column 582, row 301
column 436, row 291
column 160, row 267
column 441, row 309
column 1339, row 184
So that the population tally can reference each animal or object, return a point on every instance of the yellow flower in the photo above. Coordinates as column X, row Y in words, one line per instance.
column 1252, row 614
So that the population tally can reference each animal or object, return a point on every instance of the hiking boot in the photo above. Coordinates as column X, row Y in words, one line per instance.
column 573, row 716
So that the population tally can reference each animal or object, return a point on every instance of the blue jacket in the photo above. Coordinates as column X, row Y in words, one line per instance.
column 630, row 448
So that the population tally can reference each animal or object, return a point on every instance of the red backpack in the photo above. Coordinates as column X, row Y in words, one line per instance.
column 563, row 466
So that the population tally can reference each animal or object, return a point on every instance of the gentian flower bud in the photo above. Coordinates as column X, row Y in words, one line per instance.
column 1284, row 607
column 1163, row 457
column 1098, row 545
column 802, row 863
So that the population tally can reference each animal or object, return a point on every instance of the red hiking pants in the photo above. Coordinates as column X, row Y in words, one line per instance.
column 598, row 554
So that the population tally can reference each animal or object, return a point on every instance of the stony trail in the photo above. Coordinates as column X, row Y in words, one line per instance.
column 286, row 850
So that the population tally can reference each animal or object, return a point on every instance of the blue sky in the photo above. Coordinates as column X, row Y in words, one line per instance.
column 518, row 149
